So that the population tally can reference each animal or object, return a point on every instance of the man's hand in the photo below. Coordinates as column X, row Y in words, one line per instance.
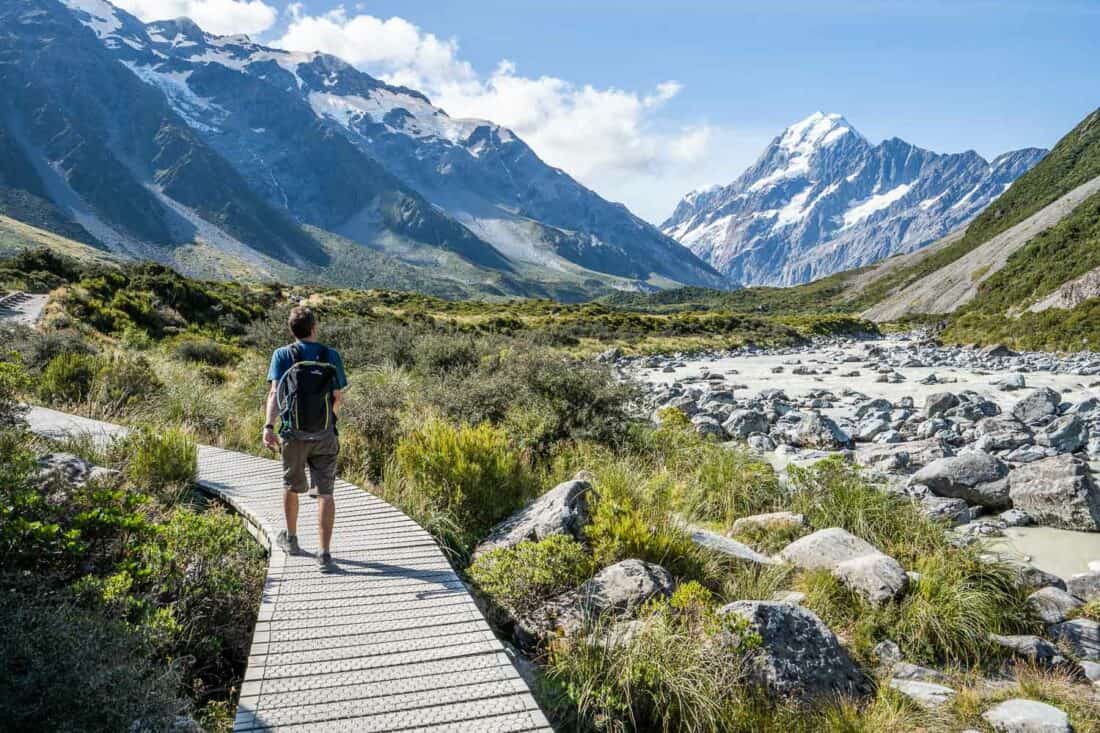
column 270, row 439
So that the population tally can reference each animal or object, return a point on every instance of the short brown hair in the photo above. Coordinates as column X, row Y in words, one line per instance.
column 301, row 322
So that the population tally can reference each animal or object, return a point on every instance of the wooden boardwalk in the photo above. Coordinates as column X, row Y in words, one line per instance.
column 390, row 642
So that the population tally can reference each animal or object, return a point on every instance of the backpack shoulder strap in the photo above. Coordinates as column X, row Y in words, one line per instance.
column 295, row 352
column 323, row 357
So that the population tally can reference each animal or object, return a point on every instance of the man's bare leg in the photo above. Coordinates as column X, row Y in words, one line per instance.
column 326, row 517
column 290, row 509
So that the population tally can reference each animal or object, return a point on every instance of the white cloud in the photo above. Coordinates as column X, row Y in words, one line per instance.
column 221, row 17
column 616, row 141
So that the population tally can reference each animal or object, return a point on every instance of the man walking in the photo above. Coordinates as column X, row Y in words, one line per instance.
column 307, row 381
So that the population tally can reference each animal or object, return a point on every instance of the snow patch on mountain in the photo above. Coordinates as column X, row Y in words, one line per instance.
column 878, row 202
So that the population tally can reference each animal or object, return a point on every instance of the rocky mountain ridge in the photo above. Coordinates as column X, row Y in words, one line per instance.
column 822, row 199
column 180, row 144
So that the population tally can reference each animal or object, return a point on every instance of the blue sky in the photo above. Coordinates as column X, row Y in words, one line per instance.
column 645, row 100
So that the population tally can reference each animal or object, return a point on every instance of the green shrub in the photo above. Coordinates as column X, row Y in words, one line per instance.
column 520, row 578
column 124, row 382
column 205, row 351
column 161, row 458
column 209, row 572
column 370, row 419
column 13, row 382
column 671, row 674
column 68, row 378
column 471, row 474
column 944, row 618
column 726, row 484
column 834, row 493
column 68, row 669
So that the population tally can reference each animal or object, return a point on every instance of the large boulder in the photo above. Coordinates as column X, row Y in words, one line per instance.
column 813, row 430
column 1038, row 407
column 1080, row 635
column 977, row 477
column 1057, row 492
column 562, row 510
column 1001, row 433
column 877, row 577
column 1029, row 647
column 1065, row 434
column 743, row 423
column 1026, row 716
column 615, row 592
column 799, row 657
column 825, row 549
column 1052, row 605
column 938, row 403
column 855, row 562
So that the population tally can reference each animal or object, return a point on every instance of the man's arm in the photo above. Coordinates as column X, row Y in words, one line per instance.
column 272, row 410
column 337, row 398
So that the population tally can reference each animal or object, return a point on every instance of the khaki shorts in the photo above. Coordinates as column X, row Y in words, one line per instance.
column 319, row 455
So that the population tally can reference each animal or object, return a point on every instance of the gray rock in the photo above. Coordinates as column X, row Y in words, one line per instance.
column 761, row 443
column 743, row 423
column 1085, row 586
column 908, row 671
column 926, row 694
column 1032, row 578
column 886, row 653
column 1032, row 648
column 1091, row 670
column 994, row 351
column 826, row 549
column 1001, row 433
column 1057, row 492
column 870, row 428
column 877, row 577
column 1026, row 716
column 768, row 522
column 1010, row 382
column 974, row 476
column 1016, row 518
column 562, row 510
column 708, row 427
column 799, row 656
column 1038, row 407
column 939, row 402
column 952, row 511
column 1065, row 434
column 614, row 592
column 727, row 546
column 1052, row 605
column 814, row 430
column 1080, row 635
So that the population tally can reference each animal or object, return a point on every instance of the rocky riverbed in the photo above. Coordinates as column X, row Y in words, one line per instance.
column 1005, row 445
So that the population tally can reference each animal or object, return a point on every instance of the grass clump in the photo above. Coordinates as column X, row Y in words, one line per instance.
column 161, row 458
column 520, row 578
column 67, row 378
column 124, row 383
column 469, row 474
column 205, row 351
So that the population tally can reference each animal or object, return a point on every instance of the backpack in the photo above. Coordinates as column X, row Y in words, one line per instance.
column 304, row 394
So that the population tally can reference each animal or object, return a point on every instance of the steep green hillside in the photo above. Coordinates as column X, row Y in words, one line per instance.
column 1073, row 161
column 1055, row 257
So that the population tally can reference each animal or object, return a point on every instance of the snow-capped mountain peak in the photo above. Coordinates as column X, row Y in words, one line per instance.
column 821, row 198
column 816, row 131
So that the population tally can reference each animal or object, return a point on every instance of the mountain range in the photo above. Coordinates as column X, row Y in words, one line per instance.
column 822, row 199
column 223, row 157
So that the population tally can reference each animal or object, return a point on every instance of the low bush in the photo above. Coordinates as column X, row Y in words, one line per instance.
column 124, row 382
column 162, row 458
column 681, row 669
column 726, row 484
column 520, row 578
column 771, row 540
column 371, row 414
column 69, row 669
column 470, row 474
column 205, row 351
column 68, row 378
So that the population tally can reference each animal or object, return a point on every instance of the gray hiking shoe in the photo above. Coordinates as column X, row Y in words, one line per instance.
column 288, row 543
column 325, row 563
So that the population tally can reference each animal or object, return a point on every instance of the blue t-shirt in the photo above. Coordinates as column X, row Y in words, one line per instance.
column 282, row 360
